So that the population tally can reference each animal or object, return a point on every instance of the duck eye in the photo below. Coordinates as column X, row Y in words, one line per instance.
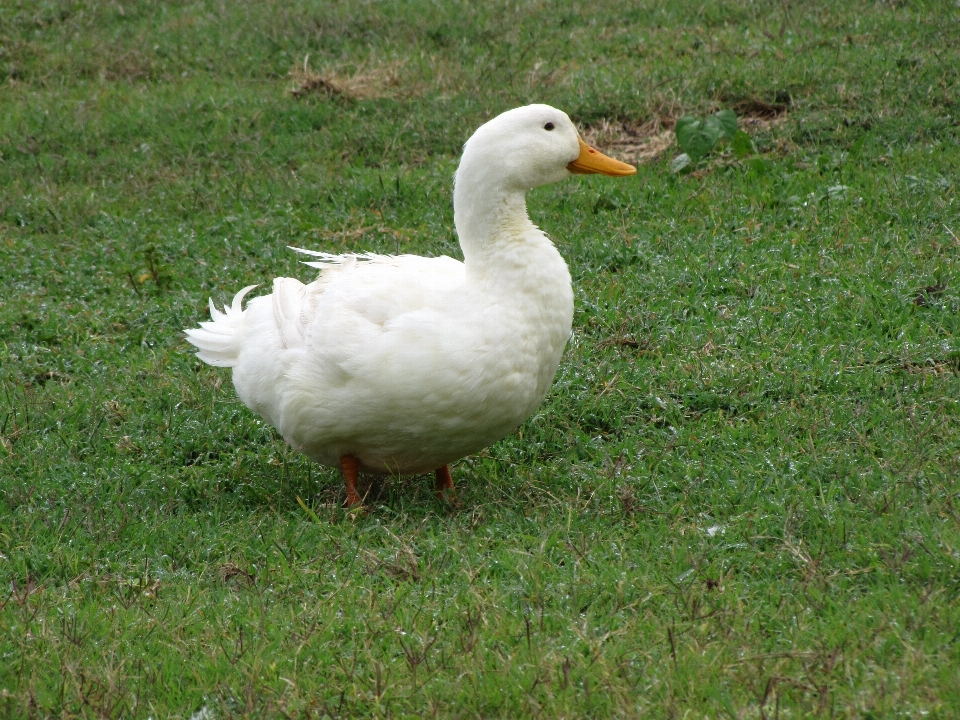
column 548, row 126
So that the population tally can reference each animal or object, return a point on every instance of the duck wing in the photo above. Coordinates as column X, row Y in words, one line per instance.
column 367, row 342
column 356, row 294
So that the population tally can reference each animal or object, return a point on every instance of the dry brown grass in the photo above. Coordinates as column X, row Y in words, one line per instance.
column 631, row 142
column 644, row 142
column 367, row 82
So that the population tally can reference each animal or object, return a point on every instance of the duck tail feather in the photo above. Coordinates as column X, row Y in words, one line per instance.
column 346, row 261
column 219, row 340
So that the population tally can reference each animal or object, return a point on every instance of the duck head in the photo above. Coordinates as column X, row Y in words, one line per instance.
column 534, row 145
column 514, row 152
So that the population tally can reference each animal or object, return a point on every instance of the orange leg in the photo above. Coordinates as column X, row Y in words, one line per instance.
column 351, row 468
column 444, row 481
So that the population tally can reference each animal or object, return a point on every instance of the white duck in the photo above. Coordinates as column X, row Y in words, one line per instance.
column 403, row 364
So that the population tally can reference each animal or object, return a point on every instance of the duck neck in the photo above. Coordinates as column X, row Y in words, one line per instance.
column 491, row 220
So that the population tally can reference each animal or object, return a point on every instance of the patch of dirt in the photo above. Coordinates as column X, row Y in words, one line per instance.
column 366, row 83
column 231, row 571
column 929, row 294
column 755, row 114
column 632, row 142
column 641, row 143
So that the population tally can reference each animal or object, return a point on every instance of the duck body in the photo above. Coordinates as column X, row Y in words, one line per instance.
column 406, row 363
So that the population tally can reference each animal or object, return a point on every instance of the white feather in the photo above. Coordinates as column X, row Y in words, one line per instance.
column 220, row 341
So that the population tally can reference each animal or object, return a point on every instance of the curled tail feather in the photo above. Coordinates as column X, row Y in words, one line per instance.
column 219, row 341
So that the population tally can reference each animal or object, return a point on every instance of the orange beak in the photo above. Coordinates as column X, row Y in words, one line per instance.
column 592, row 161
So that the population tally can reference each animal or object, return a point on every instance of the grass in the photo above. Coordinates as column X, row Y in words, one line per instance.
column 741, row 498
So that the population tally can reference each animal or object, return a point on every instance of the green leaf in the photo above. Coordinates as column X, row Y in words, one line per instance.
column 713, row 130
column 742, row 145
column 680, row 162
column 728, row 122
column 697, row 137
column 687, row 127
column 711, row 133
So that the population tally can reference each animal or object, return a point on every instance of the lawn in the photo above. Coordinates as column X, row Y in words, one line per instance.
column 741, row 498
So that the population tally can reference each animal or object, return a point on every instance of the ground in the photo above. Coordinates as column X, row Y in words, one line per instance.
column 741, row 498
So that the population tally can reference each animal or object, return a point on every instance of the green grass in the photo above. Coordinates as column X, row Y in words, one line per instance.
column 741, row 498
